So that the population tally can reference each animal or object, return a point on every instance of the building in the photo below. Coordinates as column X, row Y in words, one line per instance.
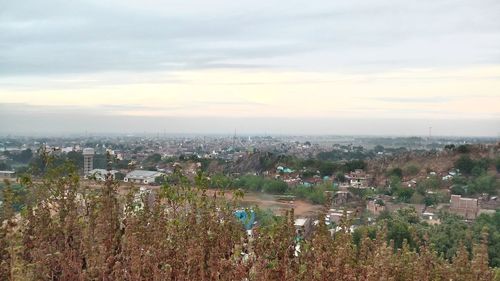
column 7, row 174
column 336, row 215
column 142, row 176
column 465, row 207
column 375, row 207
column 341, row 197
column 357, row 179
column 303, row 227
column 431, row 218
column 100, row 174
column 88, row 160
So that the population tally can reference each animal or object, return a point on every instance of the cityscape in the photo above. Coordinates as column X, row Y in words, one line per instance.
column 249, row 140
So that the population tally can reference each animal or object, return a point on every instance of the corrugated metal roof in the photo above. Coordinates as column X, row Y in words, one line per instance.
column 142, row 174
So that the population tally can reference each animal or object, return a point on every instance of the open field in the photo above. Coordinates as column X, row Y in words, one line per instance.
column 267, row 201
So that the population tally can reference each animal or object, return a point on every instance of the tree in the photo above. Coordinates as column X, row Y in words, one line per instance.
column 24, row 157
column 397, row 172
column 484, row 184
column 4, row 166
column 449, row 147
column 354, row 165
column 464, row 164
column 378, row 148
column 463, row 148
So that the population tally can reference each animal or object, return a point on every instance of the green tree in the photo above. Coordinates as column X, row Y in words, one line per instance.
column 464, row 164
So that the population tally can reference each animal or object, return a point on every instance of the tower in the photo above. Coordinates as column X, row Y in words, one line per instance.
column 88, row 160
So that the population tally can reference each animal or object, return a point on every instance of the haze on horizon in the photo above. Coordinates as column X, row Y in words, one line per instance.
column 381, row 67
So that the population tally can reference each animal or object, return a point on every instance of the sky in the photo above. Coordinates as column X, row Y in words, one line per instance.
column 362, row 67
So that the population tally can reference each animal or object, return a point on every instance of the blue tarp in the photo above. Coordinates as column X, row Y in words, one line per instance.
column 247, row 217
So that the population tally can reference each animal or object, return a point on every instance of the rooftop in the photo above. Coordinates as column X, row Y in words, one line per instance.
column 300, row 222
column 142, row 174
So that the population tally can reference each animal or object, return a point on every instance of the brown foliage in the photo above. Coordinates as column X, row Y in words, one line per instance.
column 69, row 232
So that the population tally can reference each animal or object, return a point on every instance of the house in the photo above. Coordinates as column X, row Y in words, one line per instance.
column 356, row 179
column 142, row 176
column 465, row 207
column 335, row 216
column 375, row 207
column 341, row 197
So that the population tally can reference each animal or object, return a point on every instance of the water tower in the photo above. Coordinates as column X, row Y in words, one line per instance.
column 88, row 160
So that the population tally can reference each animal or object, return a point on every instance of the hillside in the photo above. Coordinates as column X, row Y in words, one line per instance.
column 440, row 162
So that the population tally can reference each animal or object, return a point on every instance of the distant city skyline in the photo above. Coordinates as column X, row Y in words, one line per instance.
column 381, row 67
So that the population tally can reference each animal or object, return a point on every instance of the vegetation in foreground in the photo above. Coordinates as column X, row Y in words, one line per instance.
column 66, row 231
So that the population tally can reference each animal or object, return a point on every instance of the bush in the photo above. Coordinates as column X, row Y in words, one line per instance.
column 411, row 170
column 314, row 194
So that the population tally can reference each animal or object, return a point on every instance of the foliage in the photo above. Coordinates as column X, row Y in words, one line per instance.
column 260, row 184
column 18, row 193
column 411, row 170
column 354, row 165
column 71, row 232
column 430, row 183
column 464, row 148
column 395, row 172
column 314, row 194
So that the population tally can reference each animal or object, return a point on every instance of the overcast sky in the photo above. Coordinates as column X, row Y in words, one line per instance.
column 290, row 67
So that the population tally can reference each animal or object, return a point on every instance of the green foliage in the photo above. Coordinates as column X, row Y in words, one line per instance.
column 76, row 158
column 314, row 194
column 449, row 147
column 354, row 165
column 327, row 169
column 403, row 194
column 464, row 164
column 260, row 184
column 220, row 181
column 395, row 172
column 16, row 194
column 4, row 166
column 266, row 218
column 411, row 170
column 153, row 159
column 431, row 183
column 340, row 177
column 464, row 148
column 484, row 184
column 24, row 157
column 458, row 189
column 492, row 225
column 446, row 237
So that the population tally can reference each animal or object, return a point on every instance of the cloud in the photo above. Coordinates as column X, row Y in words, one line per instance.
column 60, row 37
column 416, row 99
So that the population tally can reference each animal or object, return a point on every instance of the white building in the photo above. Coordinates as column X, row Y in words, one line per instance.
column 142, row 176
column 88, row 160
column 100, row 174
column 7, row 174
